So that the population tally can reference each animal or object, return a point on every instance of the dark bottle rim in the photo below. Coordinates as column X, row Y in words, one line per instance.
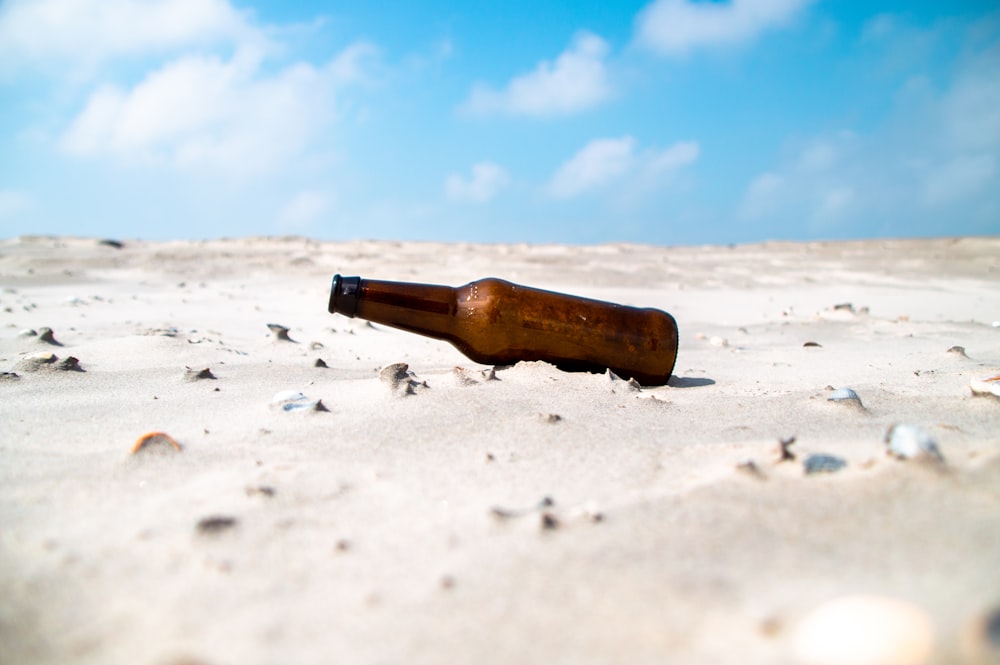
column 344, row 293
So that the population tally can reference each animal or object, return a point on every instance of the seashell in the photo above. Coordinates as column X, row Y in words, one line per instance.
column 462, row 377
column 319, row 362
column 620, row 385
column 293, row 400
column 846, row 396
column 869, row 629
column 395, row 373
column 842, row 394
column 823, row 464
column 988, row 385
column 400, row 379
column 161, row 440
column 816, row 345
column 27, row 332
column 911, row 442
column 715, row 340
column 9, row 376
column 36, row 361
column 958, row 351
column 49, row 361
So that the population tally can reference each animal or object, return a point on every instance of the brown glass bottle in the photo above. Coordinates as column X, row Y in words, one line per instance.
column 498, row 323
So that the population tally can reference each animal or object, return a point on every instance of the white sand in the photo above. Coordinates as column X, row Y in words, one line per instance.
column 377, row 543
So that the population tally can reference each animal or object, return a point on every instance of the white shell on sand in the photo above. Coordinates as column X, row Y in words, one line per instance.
column 843, row 395
column 912, row 442
column 987, row 385
column 293, row 400
column 864, row 630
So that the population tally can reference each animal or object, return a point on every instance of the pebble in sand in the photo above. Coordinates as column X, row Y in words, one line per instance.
column 823, row 464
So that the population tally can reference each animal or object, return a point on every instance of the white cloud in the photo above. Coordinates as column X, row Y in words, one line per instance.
column 486, row 181
column 207, row 112
column 678, row 155
column 576, row 81
column 958, row 178
column 302, row 210
column 936, row 153
column 672, row 27
column 597, row 163
column 84, row 33
column 12, row 202
column 762, row 195
column 603, row 161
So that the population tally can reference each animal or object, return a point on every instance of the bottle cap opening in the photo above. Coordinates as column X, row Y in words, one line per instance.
column 344, row 295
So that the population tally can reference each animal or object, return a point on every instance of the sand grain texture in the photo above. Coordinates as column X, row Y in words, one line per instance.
column 631, row 529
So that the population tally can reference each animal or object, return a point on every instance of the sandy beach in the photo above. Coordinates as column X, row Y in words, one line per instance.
column 536, row 516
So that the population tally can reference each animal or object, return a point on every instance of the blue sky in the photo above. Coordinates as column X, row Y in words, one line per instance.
column 664, row 122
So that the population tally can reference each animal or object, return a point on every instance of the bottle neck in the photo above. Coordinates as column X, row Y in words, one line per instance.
column 421, row 308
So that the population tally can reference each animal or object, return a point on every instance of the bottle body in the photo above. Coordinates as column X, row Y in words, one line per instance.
column 495, row 322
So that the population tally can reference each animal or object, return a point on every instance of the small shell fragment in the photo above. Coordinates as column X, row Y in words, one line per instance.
column 293, row 400
column 400, row 379
column 987, row 385
column 785, row 453
column 909, row 442
column 47, row 336
column 280, row 332
column 620, row 385
column 823, row 464
column 161, row 440
column 191, row 374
